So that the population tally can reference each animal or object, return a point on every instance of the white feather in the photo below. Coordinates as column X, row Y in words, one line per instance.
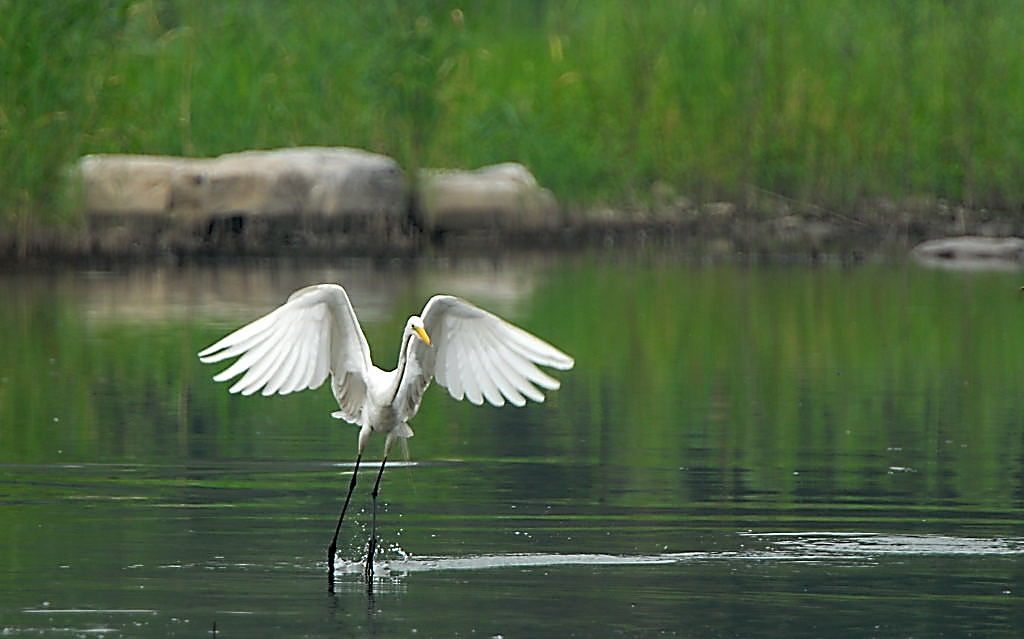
column 475, row 354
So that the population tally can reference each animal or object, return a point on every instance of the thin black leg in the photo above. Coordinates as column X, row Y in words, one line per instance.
column 372, row 546
column 332, row 550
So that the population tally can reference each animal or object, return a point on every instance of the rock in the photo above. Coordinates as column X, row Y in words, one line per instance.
column 667, row 204
column 718, row 209
column 314, row 198
column 790, row 224
column 971, row 248
column 310, row 181
column 501, row 196
column 127, row 183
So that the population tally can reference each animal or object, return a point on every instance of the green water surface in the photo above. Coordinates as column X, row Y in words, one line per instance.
column 742, row 450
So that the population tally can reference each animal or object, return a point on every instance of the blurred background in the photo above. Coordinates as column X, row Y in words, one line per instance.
column 838, row 104
column 754, row 442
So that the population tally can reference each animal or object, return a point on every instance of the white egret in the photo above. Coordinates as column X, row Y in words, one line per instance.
column 475, row 354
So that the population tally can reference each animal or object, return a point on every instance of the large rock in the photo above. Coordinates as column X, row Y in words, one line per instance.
column 122, row 184
column 502, row 196
column 971, row 248
column 312, row 181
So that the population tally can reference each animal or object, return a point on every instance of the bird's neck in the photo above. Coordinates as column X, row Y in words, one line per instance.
column 403, row 361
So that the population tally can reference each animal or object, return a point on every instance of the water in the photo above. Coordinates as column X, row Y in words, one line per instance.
column 741, row 451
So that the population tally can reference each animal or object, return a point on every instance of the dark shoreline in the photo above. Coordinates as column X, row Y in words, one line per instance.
column 141, row 239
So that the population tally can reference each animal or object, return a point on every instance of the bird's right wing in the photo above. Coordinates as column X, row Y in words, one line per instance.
column 478, row 355
column 296, row 345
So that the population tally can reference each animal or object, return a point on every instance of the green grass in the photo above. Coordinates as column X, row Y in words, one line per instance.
column 832, row 102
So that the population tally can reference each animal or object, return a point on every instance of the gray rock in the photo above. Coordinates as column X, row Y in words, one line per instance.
column 719, row 209
column 501, row 196
column 310, row 181
column 117, row 184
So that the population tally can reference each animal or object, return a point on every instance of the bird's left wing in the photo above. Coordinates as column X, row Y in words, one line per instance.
column 296, row 345
column 479, row 356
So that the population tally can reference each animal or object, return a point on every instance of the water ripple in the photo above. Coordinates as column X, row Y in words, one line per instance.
column 829, row 544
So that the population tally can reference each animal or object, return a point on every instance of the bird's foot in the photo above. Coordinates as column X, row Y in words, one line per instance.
column 368, row 570
column 331, row 554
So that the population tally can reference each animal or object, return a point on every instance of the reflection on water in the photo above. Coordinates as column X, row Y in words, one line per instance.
column 740, row 451
column 240, row 292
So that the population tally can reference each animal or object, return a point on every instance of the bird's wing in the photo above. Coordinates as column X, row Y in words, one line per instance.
column 296, row 345
column 479, row 356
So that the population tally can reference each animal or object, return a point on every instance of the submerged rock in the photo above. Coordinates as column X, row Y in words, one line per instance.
column 971, row 248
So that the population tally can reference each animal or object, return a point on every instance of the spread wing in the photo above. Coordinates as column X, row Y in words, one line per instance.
column 477, row 355
column 296, row 345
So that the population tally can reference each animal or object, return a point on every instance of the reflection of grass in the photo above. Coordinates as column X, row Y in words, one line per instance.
column 823, row 101
column 766, row 383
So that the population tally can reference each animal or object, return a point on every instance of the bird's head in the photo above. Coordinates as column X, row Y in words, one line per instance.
column 415, row 324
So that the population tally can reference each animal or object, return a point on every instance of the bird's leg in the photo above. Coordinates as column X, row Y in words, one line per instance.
column 372, row 546
column 333, row 548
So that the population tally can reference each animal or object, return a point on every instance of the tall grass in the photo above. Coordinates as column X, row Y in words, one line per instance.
column 833, row 102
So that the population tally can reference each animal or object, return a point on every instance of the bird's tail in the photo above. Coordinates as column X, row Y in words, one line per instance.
column 402, row 433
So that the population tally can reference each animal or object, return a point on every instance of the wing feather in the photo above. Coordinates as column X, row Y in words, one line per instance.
column 521, row 372
column 467, row 370
column 515, row 386
column 526, row 363
column 279, row 346
column 449, row 367
column 238, row 342
column 322, row 352
column 484, row 365
column 504, row 378
column 304, row 363
column 533, row 348
column 288, row 375
column 311, row 353
column 478, row 355
column 254, row 362
column 441, row 373
column 295, row 346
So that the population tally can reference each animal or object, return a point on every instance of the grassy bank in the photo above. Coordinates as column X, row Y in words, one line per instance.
column 833, row 102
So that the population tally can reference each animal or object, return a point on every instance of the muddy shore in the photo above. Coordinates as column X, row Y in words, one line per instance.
column 719, row 229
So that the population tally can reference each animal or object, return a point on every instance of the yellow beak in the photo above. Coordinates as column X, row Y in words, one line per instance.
column 423, row 334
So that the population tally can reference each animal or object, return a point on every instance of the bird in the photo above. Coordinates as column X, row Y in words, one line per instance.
column 471, row 352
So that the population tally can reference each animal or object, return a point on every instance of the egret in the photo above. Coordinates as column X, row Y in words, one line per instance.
column 474, row 354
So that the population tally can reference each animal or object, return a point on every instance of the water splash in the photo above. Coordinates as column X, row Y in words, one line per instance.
column 411, row 564
column 780, row 546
